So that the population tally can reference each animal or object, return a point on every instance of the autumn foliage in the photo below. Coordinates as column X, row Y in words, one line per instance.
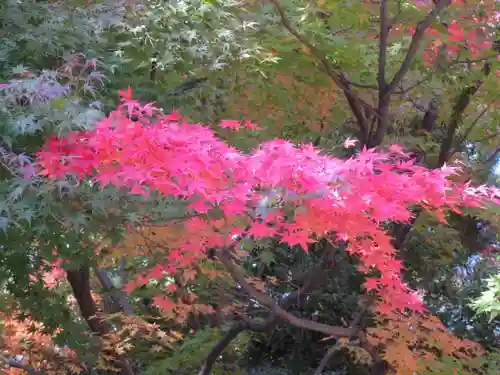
column 413, row 342
column 318, row 196
column 33, row 346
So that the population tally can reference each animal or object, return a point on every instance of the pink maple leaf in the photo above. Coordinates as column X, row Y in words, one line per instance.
column 174, row 116
column 300, row 238
column 371, row 284
column 395, row 148
column 251, row 125
column 348, row 143
column 230, row 124
column 164, row 303
column 456, row 33
column 157, row 272
column 125, row 94
column 259, row 230
column 187, row 161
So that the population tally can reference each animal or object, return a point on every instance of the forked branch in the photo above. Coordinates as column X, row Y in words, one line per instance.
column 416, row 40
column 314, row 279
column 238, row 275
column 328, row 68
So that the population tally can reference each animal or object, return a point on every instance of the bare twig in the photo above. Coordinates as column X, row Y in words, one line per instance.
column 343, row 30
column 326, row 358
column 487, row 138
column 493, row 156
column 415, row 85
column 468, row 61
column 361, row 85
column 417, row 105
column 395, row 18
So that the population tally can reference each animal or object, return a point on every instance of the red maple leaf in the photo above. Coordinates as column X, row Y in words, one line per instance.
column 456, row 33
column 259, row 230
column 125, row 94
column 164, row 303
column 230, row 124
column 300, row 238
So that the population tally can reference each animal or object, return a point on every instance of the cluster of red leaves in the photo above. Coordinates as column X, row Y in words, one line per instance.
column 341, row 200
column 412, row 343
column 473, row 28
column 55, row 275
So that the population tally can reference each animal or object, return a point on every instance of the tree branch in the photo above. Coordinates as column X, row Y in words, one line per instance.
column 415, row 44
column 354, row 327
column 321, row 57
column 456, row 117
column 382, row 53
column 494, row 135
column 493, row 156
column 431, row 115
column 314, row 277
column 267, row 301
column 473, row 125
column 118, row 295
column 361, row 85
column 79, row 281
column 415, row 85
column 218, row 348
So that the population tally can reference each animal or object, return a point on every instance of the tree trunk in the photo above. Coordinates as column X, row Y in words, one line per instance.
column 79, row 281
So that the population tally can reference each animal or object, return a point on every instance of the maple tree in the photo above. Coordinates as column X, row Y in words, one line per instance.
column 319, row 196
column 320, row 71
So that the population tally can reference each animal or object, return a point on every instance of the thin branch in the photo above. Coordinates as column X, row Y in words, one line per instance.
column 491, row 136
column 186, row 86
column 418, row 106
column 382, row 53
column 459, row 108
column 415, row 44
column 468, row 61
column 326, row 358
column 218, row 348
column 415, row 85
column 361, row 85
column 354, row 327
column 395, row 18
column 340, row 31
column 493, row 156
column 473, row 125
column 328, row 68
